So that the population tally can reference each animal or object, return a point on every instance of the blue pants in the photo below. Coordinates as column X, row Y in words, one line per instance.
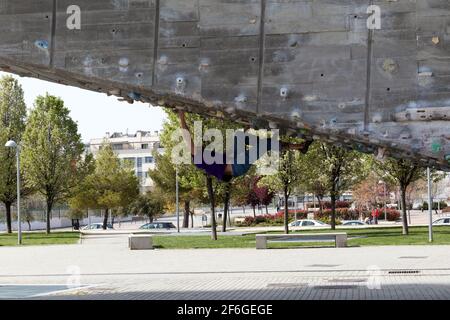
column 240, row 169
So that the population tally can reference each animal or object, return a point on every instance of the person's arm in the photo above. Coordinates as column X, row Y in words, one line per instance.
column 186, row 133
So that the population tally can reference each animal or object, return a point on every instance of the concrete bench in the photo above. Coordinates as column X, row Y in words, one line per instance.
column 140, row 241
column 339, row 238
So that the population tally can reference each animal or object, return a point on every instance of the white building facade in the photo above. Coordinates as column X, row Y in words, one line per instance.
column 137, row 149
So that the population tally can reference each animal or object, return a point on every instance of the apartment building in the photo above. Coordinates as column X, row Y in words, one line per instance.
column 136, row 148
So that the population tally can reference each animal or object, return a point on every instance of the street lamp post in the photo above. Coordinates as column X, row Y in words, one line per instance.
column 430, row 207
column 14, row 145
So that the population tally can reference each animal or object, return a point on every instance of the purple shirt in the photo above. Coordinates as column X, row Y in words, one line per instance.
column 216, row 169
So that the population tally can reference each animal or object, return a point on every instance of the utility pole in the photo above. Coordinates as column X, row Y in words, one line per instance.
column 177, row 200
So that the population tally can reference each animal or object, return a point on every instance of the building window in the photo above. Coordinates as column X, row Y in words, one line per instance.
column 144, row 146
column 139, row 162
column 117, row 146
column 148, row 159
column 131, row 161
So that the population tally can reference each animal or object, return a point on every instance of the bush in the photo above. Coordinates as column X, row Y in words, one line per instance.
column 443, row 205
column 341, row 214
column 392, row 215
column 273, row 219
column 339, row 204
column 327, row 204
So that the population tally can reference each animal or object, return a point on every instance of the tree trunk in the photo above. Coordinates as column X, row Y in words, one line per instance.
column 286, row 211
column 187, row 209
column 404, row 214
column 333, row 211
column 209, row 184
column 29, row 225
column 105, row 219
column 49, row 214
column 254, row 212
column 112, row 220
column 8, row 217
column 226, row 204
column 267, row 210
column 320, row 204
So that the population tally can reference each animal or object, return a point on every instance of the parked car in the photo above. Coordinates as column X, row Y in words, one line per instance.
column 308, row 223
column 97, row 226
column 353, row 223
column 442, row 222
column 158, row 225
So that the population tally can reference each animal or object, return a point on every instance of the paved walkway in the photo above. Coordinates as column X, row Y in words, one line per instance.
column 110, row 271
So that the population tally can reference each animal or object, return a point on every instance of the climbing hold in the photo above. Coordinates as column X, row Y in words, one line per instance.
column 447, row 158
column 42, row 44
column 389, row 65
column 296, row 114
column 180, row 85
column 123, row 64
column 240, row 99
column 436, row 147
column 435, row 40
column 135, row 96
column 180, row 81
column 204, row 64
column 284, row 93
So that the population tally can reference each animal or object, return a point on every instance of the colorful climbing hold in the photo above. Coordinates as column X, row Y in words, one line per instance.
column 43, row 44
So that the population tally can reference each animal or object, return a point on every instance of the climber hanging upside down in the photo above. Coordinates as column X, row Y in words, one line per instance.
column 226, row 171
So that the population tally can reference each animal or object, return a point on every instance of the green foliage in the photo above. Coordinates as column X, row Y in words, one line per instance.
column 112, row 185
column 191, row 180
column 333, row 170
column 52, row 149
column 337, row 169
column 403, row 173
column 289, row 175
column 13, row 112
column 442, row 205
column 399, row 172
column 149, row 205
column 12, row 126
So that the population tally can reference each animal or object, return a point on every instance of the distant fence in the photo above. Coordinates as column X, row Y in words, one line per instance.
column 59, row 219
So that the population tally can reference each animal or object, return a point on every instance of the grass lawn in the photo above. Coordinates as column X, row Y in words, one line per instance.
column 39, row 238
column 361, row 237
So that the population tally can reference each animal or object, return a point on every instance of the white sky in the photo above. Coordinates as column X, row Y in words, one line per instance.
column 96, row 113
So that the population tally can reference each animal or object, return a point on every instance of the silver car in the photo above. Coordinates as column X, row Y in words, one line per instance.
column 308, row 223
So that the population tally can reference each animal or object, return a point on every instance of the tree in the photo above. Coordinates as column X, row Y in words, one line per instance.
column 111, row 186
column 12, row 125
column 368, row 192
column 286, row 179
column 149, row 205
column 401, row 172
column 51, row 153
column 338, row 170
column 226, row 205
column 252, row 197
column 191, row 181
column 264, row 195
